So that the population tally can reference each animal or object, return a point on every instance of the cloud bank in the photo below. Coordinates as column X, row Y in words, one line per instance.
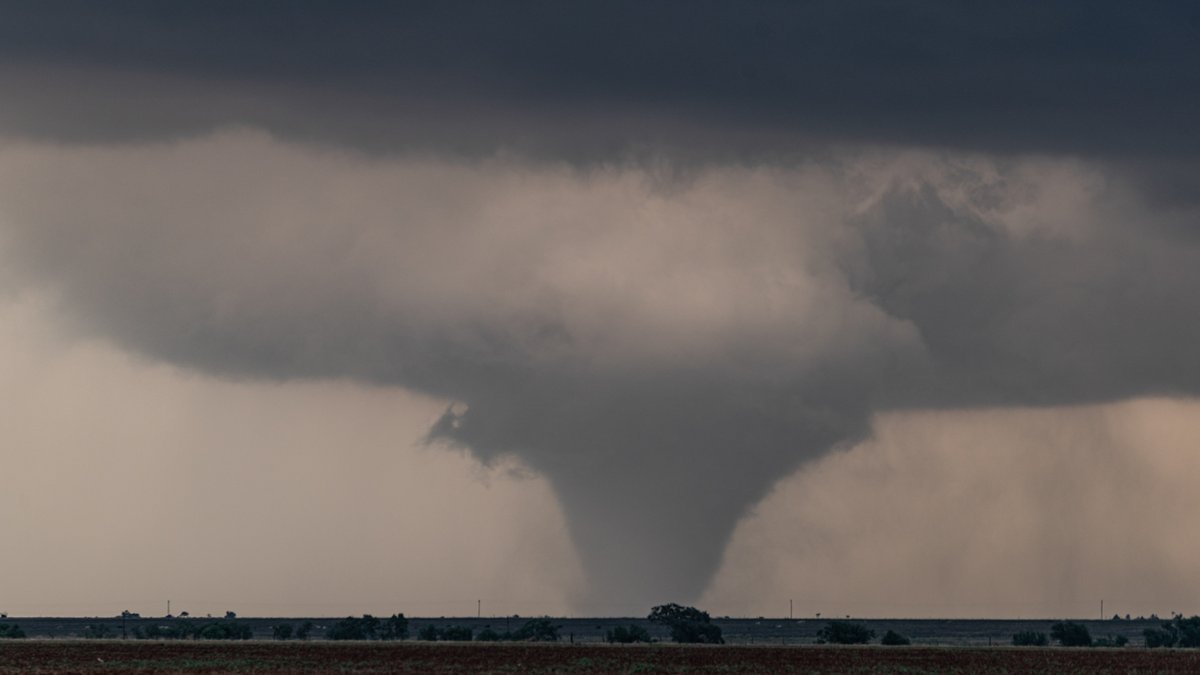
column 762, row 79
column 662, row 346
column 663, row 258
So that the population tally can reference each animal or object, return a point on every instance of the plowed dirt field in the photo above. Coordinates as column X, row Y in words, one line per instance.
column 94, row 656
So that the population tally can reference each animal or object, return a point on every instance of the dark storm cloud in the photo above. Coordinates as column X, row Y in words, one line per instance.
column 661, row 352
column 662, row 345
column 580, row 80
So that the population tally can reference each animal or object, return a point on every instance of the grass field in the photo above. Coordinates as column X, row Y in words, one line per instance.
column 114, row 656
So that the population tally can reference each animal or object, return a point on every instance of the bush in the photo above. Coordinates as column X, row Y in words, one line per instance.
column 282, row 631
column 1159, row 637
column 687, row 624
column 97, row 631
column 1178, row 632
column 11, row 631
column 222, row 630
column 429, row 633
column 487, row 635
column 627, row 635
column 1071, row 634
column 303, row 631
column 894, row 639
column 1030, row 638
column 351, row 628
column 697, row 633
column 456, row 634
column 845, row 633
column 537, row 630
column 1114, row 641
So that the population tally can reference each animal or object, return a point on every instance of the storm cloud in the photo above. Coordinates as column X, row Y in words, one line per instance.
column 709, row 80
column 663, row 261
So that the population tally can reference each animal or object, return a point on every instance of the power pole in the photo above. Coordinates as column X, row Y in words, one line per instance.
column 478, row 609
column 168, row 608
column 790, row 614
column 1101, row 610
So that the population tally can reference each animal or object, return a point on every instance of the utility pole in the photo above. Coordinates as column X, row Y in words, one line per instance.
column 168, row 608
column 478, row 609
column 1101, row 609
column 791, row 615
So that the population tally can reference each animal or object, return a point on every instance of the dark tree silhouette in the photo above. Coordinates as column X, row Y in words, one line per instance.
column 687, row 624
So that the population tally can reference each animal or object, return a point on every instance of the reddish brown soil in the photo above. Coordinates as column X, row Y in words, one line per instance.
column 294, row 657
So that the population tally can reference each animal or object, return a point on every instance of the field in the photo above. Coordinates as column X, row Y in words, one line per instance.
column 115, row 656
column 772, row 631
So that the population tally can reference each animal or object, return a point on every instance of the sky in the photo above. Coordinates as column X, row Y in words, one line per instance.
column 315, row 308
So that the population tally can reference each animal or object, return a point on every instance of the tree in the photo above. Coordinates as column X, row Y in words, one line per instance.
column 303, row 631
column 537, row 630
column 225, row 630
column 1178, row 632
column 487, row 635
column 1030, row 638
column 351, row 628
column 1159, row 637
column 892, row 638
column 1071, row 634
column 97, row 631
column 1187, row 630
column 1114, row 641
column 845, row 633
column 627, row 634
column 687, row 624
column 457, row 634
column 395, row 627
column 282, row 631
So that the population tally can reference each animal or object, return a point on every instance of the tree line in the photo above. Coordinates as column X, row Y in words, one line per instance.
column 685, row 625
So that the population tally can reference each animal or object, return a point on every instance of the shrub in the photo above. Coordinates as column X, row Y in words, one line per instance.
column 892, row 638
column 429, row 633
column 222, row 630
column 11, row 631
column 487, row 635
column 282, row 631
column 1071, row 634
column 351, row 628
column 697, row 633
column 456, row 634
column 97, row 631
column 537, row 630
column 1113, row 641
column 303, row 631
column 845, row 633
column 627, row 634
column 1159, row 637
column 1030, row 638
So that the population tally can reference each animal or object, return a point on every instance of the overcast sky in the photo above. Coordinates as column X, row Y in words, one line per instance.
column 318, row 308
